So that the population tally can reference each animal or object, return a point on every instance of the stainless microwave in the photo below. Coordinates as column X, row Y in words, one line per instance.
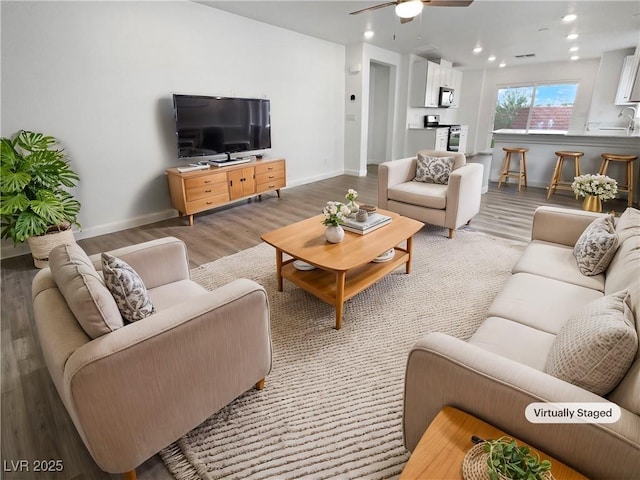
column 446, row 97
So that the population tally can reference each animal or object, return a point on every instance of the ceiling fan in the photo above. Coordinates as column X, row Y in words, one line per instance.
column 407, row 10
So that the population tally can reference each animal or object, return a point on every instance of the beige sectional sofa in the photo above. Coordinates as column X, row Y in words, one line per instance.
column 501, row 368
column 135, row 389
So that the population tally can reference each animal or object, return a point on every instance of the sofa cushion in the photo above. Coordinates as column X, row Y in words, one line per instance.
column 596, row 246
column 433, row 169
column 596, row 347
column 84, row 291
column 628, row 224
column 459, row 159
column 542, row 303
column 556, row 261
column 127, row 289
column 515, row 341
column 430, row 195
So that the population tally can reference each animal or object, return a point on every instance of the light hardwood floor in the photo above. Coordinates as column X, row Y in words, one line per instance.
column 35, row 425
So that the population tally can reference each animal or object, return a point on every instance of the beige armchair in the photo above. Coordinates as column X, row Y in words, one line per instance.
column 448, row 206
column 134, row 390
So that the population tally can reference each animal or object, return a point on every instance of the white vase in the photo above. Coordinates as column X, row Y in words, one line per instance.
column 353, row 206
column 334, row 234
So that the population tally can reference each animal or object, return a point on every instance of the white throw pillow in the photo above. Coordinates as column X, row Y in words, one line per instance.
column 127, row 288
column 433, row 169
column 596, row 347
column 596, row 246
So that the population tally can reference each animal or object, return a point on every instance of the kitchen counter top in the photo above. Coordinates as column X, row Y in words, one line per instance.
column 561, row 136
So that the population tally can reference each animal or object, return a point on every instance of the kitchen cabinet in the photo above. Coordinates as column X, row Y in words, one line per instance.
column 426, row 139
column 426, row 79
column 464, row 134
column 425, row 84
column 628, row 75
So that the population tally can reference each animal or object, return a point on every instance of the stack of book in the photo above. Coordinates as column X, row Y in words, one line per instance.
column 373, row 222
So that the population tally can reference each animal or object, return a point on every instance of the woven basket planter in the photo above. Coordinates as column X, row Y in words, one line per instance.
column 42, row 245
column 474, row 465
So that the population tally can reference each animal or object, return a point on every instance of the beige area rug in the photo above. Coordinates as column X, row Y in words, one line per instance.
column 332, row 404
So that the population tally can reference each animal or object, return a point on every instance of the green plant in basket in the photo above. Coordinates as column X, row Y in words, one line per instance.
column 515, row 462
column 34, row 178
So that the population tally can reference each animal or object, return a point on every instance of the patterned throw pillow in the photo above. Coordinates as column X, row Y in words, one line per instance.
column 127, row 289
column 596, row 246
column 433, row 169
column 596, row 347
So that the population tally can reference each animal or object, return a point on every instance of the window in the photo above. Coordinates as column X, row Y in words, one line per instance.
column 535, row 108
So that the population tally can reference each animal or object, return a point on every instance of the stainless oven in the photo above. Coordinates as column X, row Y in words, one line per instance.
column 453, row 145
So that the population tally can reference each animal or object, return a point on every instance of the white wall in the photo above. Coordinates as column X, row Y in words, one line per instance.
column 379, row 131
column 98, row 76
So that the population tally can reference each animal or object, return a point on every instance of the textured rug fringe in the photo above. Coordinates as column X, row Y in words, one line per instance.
column 178, row 464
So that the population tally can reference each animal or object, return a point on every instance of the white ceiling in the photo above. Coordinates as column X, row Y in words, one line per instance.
column 503, row 28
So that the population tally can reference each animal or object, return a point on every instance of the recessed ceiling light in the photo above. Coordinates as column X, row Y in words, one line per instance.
column 502, row 65
column 574, row 49
column 569, row 18
column 491, row 58
column 572, row 36
column 575, row 57
column 477, row 50
column 368, row 34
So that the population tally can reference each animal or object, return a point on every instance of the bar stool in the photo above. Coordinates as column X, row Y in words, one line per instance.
column 506, row 172
column 556, row 182
column 629, row 159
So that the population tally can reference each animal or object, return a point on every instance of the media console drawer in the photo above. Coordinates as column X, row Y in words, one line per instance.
column 201, row 190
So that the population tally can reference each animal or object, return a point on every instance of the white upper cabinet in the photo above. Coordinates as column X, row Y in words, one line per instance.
column 427, row 78
column 627, row 78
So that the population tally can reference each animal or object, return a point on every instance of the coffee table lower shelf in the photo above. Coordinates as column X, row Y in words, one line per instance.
column 336, row 287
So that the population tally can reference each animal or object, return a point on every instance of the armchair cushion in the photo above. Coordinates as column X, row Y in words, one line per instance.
column 127, row 289
column 422, row 194
column 84, row 290
column 433, row 169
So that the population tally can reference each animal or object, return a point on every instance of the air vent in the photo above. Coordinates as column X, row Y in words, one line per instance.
column 526, row 55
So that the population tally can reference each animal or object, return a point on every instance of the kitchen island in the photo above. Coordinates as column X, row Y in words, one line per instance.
column 541, row 158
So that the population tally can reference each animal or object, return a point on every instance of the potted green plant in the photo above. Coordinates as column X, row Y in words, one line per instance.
column 503, row 459
column 36, row 206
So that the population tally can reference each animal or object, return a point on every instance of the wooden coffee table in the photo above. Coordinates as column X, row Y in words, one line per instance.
column 444, row 444
column 343, row 269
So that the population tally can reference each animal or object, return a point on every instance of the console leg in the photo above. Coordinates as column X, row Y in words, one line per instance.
column 278, row 192
column 191, row 220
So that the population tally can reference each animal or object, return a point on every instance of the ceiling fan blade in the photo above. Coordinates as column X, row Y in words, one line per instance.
column 447, row 3
column 406, row 20
column 374, row 7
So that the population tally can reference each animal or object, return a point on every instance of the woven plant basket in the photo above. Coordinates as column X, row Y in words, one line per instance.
column 42, row 245
column 474, row 465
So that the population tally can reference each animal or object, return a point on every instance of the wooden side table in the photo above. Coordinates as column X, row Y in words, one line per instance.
column 441, row 449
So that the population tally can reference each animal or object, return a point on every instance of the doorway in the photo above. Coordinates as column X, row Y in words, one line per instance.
column 378, row 131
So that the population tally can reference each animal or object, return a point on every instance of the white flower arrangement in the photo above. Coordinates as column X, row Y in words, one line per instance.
column 600, row 186
column 335, row 213
column 351, row 195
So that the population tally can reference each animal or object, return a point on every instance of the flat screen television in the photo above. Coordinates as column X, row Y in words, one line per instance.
column 214, row 128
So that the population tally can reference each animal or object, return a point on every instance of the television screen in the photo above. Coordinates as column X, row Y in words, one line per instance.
column 215, row 126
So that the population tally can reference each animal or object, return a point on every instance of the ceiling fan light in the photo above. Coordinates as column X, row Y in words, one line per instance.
column 409, row 9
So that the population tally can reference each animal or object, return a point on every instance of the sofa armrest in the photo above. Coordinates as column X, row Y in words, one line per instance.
column 158, row 262
column 137, row 389
column 393, row 173
column 443, row 370
column 464, row 194
column 560, row 225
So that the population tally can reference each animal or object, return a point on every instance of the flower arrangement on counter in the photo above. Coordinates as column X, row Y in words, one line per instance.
column 601, row 186
column 335, row 213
